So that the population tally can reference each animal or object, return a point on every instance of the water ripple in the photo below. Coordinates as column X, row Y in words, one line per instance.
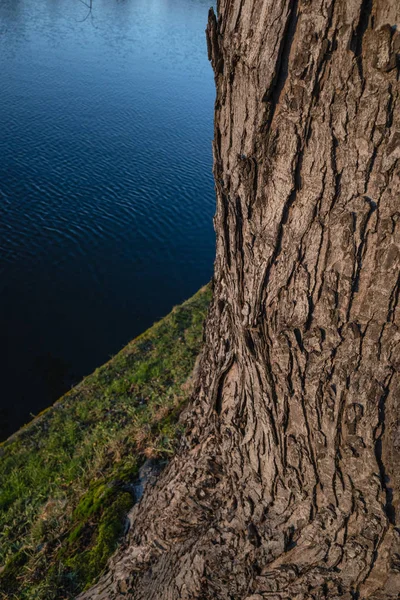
column 106, row 191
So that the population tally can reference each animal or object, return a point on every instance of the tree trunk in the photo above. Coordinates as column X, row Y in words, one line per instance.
column 287, row 483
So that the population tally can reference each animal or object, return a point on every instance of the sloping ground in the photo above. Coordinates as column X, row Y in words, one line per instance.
column 67, row 479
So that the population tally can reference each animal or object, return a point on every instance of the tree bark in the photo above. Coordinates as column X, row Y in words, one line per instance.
column 288, row 480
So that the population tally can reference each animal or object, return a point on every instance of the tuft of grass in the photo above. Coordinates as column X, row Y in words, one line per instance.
column 64, row 477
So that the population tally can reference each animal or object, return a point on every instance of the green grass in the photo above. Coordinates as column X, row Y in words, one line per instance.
column 63, row 504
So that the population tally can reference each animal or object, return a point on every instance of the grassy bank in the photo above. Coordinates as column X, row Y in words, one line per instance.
column 64, row 477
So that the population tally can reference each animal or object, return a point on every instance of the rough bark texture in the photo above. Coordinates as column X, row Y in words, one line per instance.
column 287, row 484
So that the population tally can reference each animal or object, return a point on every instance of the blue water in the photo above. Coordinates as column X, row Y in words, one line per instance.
column 106, row 190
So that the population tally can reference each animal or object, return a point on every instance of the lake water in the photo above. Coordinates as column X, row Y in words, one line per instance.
column 106, row 190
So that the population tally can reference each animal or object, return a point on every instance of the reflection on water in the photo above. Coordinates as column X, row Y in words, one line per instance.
column 106, row 192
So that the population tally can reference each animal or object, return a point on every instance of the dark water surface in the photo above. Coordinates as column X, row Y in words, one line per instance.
column 106, row 191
